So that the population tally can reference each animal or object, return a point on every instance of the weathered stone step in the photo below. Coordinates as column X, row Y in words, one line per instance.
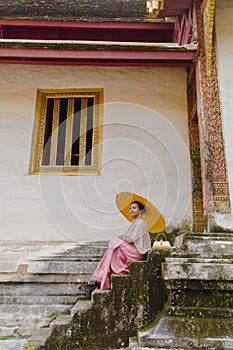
column 13, row 331
column 77, row 258
column 197, row 271
column 81, row 306
column 80, row 256
column 35, row 299
column 138, row 347
column 180, row 332
column 37, row 289
column 111, row 316
column 48, row 266
column 32, row 315
column 209, row 235
column 13, row 344
column 91, row 247
column 224, row 251
column 8, row 331
column 19, row 331
column 31, row 288
column 18, row 310
column 39, row 337
column 23, row 320
column 200, row 312
column 133, row 345
column 185, row 260
column 199, row 278
column 82, row 251
column 195, row 297
column 205, row 246
column 45, row 278
column 188, row 344
column 77, row 267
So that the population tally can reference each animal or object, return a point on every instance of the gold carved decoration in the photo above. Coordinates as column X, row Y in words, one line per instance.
column 197, row 193
column 216, row 196
column 83, row 127
column 54, row 137
column 69, row 124
column 153, row 7
column 40, row 126
column 208, row 12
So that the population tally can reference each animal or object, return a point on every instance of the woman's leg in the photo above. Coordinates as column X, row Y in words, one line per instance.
column 122, row 256
column 116, row 260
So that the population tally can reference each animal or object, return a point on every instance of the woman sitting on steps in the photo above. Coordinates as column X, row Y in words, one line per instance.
column 131, row 246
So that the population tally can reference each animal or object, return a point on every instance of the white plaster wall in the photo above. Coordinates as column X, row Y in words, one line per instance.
column 224, row 28
column 145, row 150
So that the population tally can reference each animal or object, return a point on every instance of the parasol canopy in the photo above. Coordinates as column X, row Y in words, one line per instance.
column 153, row 218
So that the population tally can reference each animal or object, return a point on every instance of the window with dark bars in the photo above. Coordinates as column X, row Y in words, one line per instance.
column 68, row 132
column 55, row 137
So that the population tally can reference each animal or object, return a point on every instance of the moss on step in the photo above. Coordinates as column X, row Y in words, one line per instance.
column 29, row 347
column 6, row 337
column 116, row 314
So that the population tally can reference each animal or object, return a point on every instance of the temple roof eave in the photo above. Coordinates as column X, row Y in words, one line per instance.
column 96, row 45
column 96, row 54
column 94, row 32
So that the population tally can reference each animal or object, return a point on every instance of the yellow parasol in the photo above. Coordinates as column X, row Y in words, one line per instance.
column 153, row 218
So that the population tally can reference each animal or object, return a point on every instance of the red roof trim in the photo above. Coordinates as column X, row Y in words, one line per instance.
column 96, row 54
column 96, row 57
column 94, row 25
column 107, row 63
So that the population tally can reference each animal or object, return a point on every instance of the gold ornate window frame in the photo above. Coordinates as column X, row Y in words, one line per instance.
column 37, row 168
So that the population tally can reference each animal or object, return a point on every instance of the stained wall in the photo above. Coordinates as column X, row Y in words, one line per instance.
column 145, row 150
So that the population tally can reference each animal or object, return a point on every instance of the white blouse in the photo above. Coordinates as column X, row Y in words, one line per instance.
column 139, row 235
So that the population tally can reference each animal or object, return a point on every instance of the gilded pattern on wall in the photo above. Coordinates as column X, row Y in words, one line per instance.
column 197, row 194
column 215, row 178
column 153, row 7
column 208, row 11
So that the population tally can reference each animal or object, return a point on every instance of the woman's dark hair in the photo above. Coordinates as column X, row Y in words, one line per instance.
column 140, row 206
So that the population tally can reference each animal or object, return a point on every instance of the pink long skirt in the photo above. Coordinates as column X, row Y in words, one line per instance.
column 116, row 260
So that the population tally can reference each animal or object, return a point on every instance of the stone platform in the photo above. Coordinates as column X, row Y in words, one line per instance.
column 199, row 314
column 46, row 298
column 40, row 281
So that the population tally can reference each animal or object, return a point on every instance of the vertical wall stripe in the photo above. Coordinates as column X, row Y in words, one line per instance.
column 54, row 136
column 69, row 127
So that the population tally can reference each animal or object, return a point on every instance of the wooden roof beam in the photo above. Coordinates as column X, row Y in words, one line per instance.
column 97, row 57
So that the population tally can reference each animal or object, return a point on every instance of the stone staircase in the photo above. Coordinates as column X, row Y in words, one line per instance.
column 39, row 282
column 199, row 314
column 110, row 317
column 47, row 302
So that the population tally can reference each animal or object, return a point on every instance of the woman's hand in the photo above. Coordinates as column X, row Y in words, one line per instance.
column 125, row 239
